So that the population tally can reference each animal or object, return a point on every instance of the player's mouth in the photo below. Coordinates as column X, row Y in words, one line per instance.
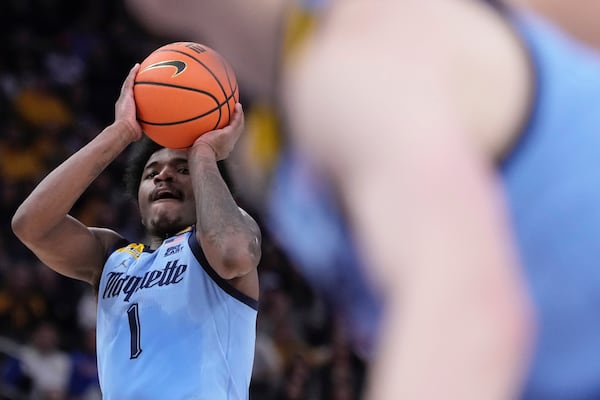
column 166, row 194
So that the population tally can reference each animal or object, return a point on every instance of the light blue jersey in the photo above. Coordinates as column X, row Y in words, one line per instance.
column 552, row 182
column 170, row 328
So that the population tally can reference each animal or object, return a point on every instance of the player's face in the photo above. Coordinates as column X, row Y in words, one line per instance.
column 165, row 195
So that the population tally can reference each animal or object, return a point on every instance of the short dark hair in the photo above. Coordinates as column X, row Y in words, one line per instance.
column 139, row 155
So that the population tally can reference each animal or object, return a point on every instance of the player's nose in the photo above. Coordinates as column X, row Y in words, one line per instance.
column 165, row 174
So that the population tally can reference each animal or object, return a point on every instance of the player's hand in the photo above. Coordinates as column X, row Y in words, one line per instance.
column 222, row 141
column 125, row 110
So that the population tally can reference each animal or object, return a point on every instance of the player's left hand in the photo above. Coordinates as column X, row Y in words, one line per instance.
column 222, row 141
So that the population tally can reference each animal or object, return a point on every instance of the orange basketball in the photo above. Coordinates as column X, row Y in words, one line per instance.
column 183, row 90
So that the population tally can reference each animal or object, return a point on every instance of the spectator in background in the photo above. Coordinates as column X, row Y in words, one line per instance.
column 38, row 105
column 41, row 368
column 267, row 370
column 342, row 375
column 21, row 160
column 83, row 382
column 21, row 304
column 61, row 296
column 298, row 382
column 86, row 310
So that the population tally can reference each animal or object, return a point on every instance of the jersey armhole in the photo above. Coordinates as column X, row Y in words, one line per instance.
column 118, row 244
column 222, row 283
column 519, row 21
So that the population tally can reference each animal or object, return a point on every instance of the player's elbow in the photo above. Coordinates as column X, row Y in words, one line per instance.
column 23, row 226
column 237, row 258
column 238, row 263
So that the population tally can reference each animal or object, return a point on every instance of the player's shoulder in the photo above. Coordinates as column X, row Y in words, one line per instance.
column 453, row 54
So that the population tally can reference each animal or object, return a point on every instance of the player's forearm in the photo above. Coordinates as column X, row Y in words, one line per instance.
column 443, row 350
column 228, row 236
column 459, row 320
column 52, row 199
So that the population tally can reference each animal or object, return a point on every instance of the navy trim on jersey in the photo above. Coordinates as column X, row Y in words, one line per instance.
column 534, row 59
column 223, row 284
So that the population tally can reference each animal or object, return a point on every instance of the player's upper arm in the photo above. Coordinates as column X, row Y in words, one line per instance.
column 234, row 255
column 410, row 66
column 72, row 249
column 391, row 110
column 235, row 250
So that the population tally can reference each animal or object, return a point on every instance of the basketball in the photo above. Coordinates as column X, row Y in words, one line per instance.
column 183, row 90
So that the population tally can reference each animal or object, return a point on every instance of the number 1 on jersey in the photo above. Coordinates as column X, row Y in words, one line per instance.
column 133, row 315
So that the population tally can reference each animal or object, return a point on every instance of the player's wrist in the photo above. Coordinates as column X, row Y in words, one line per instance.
column 126, row 130
column 204, row 150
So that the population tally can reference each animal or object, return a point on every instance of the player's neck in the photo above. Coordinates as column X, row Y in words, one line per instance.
column 156, row 239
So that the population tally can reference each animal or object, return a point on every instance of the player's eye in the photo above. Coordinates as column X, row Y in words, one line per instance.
column 151, row 175
column 183, row 170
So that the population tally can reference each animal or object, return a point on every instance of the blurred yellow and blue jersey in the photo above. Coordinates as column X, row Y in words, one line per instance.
column 552, row 182
column 170, row 328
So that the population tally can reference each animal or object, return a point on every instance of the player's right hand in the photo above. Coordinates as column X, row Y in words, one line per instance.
column 125, row 109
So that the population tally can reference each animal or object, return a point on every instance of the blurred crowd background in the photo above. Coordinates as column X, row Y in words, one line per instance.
column 61, row 67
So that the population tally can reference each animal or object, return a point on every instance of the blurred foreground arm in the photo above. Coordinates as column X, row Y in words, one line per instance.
column 394, row 123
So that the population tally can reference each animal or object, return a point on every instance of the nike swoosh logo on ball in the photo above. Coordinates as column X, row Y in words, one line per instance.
column 180, row 66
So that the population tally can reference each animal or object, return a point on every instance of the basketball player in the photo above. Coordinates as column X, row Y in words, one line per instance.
column 177, row 315
column 461, row 137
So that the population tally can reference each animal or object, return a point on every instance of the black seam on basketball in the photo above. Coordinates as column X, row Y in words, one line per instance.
column 209, row 71
column 220, row 105
column 191, row 89
column 226, row 69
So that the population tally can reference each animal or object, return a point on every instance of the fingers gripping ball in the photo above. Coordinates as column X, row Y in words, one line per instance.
column 183, row 90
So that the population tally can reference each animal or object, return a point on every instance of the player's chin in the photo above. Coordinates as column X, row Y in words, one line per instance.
column 168, row 223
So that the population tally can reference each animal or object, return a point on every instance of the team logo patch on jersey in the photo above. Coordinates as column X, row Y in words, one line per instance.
column 135, row 249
